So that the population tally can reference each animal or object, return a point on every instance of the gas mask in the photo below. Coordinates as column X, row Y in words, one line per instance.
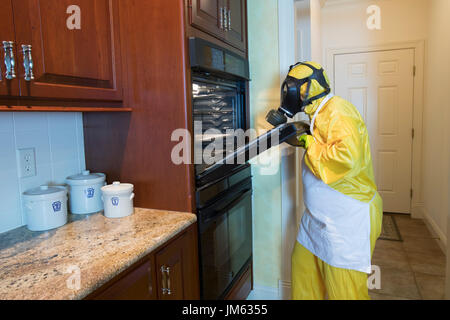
column 291, row 98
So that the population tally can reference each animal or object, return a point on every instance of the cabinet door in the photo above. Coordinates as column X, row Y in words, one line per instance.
column 177, row 268
column 137, row 284
column 75, row 48
column 11, row 86
column 237, row 23
column 208, row 16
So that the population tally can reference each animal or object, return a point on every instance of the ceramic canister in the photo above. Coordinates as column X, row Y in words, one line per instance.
column 118, row 200
column 85, row 192
column 45, row 207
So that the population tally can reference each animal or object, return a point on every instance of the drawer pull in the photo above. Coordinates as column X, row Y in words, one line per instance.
column 28, row 62
column 10, row 63
column 165, row 271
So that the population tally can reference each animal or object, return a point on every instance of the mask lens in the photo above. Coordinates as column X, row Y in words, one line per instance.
column 284, row 91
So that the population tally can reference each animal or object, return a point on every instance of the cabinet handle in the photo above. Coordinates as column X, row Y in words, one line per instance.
column 28, row 62
column 225, row 18
column 165, row 271
column 10, row 63
column 221, row 18
column 229, row 20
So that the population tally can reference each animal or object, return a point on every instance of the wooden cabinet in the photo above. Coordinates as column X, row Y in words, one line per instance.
column 223, row 19
column 236, row 34
column 64, row 49
column 136, row 284
column 207, row 15
column 74, row 47
column 169, row 273
column 7, row 39
column 177, row 268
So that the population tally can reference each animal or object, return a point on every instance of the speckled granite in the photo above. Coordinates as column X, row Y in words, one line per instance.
column 38, row 265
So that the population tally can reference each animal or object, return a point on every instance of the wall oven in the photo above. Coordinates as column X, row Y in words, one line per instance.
column 223, row 198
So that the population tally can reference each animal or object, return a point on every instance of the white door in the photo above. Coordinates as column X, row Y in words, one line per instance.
column 381, row 85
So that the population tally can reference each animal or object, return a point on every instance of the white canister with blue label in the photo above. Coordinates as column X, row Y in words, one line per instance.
column 118, row 200
column 45, row 208
column 85, row 192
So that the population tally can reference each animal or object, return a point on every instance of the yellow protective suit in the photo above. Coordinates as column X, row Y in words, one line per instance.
column 339, row 154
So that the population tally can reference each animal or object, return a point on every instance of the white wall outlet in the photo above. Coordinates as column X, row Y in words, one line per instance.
column 27, row 162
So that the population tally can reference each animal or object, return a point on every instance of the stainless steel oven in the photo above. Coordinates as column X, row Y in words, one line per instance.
column 224, row 197
column 225, row 229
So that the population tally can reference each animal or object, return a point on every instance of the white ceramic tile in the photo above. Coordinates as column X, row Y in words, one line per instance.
column 10, row 211
column 63, row 146
column 37, row 140
column 6, row 122
column 58, row 142
column 80, row 141
column 61, row 170
column 30, row 121
column 7, row 144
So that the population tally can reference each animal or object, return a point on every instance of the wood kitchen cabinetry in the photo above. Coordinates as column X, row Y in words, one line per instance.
column 57, row 57
column 9, row 84
column 223, row 19
column 169, row 273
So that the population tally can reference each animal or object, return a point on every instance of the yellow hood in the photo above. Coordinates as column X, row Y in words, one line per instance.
column 303, row 72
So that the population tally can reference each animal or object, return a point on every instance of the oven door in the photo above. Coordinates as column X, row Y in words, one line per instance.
column 225, row 241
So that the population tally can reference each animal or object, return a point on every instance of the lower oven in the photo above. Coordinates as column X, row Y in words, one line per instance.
column 225, row 232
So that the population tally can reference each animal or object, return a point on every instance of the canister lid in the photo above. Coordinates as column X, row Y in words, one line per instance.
column 118, row 188
column 44, row 192
column 86, row 177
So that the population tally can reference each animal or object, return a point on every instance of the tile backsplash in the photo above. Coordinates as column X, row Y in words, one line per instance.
column 59, row 149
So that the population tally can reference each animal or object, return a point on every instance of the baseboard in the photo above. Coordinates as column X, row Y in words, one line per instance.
column 417, row 211
column 260, row 292
column 435, row 231
column 284, row 290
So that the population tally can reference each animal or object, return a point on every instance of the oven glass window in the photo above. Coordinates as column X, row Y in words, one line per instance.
column 217, row 112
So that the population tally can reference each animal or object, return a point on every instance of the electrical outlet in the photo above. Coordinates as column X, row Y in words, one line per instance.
column 27, row 162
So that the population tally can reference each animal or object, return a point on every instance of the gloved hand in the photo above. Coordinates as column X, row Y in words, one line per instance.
column 305, row 141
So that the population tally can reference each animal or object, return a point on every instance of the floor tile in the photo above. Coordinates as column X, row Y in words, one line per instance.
column 390, row 254
column 421, row 245
column 379, row 296
column 412, row 227
column 431, row 287
column 398, row 282
column 428, row 263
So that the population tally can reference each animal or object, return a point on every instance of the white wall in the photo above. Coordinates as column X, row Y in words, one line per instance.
column 435, row 119
column 265, row 95
column 344, row 24
column 59, row 147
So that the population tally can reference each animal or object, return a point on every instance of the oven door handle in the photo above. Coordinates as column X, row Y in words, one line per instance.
column 221, row 211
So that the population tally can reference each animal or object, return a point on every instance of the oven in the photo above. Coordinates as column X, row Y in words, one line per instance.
column 223, row 197
column 225, row 232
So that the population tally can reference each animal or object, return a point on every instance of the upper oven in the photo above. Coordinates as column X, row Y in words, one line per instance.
column 219, row 103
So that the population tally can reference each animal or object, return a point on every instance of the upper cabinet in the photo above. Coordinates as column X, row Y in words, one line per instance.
column 223, row 19
column 207, row 15
column 236, row 34
column 65, row 49
column 9, row 84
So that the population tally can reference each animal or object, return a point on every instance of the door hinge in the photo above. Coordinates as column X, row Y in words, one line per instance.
column 412, row 192
column 413, row 133
column 414, row 71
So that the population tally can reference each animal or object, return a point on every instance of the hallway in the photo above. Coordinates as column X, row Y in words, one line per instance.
column 412, row 269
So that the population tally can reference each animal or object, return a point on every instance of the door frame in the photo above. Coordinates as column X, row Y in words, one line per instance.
column 418, row 105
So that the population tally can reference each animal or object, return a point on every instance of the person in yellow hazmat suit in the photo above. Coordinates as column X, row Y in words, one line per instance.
column 343, row 215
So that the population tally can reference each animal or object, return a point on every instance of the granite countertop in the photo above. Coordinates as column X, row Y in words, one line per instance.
column 90, row 248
